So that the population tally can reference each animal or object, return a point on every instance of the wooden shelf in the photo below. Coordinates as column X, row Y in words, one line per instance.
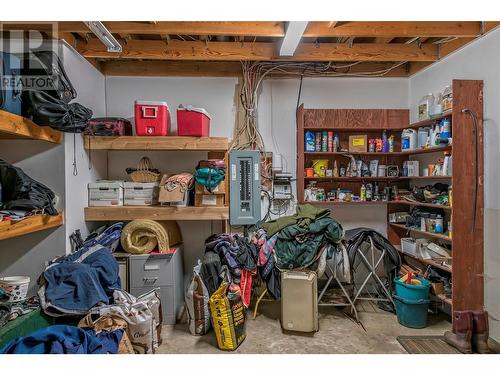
column 10, row 229
column 430, row 121
column 16, row 127
column 443, row 298
column 172, row 143
column 354, row 179
column 155, row 213
column 429, row 178
column 428, row 262
column 395, row 153
column 421, row 204
column 429, row 150
column 340, row 203
column 428, row 234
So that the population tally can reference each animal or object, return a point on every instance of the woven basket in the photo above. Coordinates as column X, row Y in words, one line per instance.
column 144, row 172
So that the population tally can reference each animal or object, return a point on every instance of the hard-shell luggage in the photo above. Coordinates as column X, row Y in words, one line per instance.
column 10, row 83
column 299, row 301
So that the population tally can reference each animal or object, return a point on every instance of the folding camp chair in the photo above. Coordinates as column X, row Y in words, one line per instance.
column 371, row 263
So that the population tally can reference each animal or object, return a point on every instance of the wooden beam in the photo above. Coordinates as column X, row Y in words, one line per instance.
column 172, row 68
column 417, row 66
column 273, row 29
column 229, row 51
column 452, row 46
column 490, row 25
column 394, row 29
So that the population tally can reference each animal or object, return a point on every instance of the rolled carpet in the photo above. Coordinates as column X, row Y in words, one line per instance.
column 143, row 236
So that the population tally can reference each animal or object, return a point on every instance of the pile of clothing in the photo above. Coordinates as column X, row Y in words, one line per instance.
column 10, row 311
column 295, row 242
column 239, row 257
column 86, row 285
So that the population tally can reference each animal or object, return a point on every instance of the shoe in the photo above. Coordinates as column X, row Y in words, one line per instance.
column 461, row 336
column 480, row 332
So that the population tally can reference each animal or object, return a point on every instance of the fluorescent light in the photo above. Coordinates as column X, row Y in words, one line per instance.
column 292, row 37
column 104, row 36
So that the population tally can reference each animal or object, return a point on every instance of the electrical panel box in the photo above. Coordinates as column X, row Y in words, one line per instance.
column 244, row 186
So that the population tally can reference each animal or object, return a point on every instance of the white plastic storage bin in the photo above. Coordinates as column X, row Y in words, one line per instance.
column 140, row 193
column 105, row 193
column 412, row 246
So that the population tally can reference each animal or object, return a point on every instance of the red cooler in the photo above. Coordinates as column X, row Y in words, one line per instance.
column 193, row 122
column 151, row 118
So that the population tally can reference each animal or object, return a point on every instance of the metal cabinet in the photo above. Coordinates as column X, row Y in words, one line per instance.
column 162, row 271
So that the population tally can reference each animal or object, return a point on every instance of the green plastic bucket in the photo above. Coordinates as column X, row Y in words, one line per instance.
column 411, row 313
column 415, row 292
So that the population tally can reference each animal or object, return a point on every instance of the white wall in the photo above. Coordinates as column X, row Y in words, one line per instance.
column 52, row 165
column 478, row 60
column 276, row 116
column 90, row 87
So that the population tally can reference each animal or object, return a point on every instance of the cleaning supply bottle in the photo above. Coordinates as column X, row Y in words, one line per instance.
column 336, row 143
column 391, row 143
column 445, row 129
column 362, row 193
column 434, row 137
column 385, row 142
column 310, row 141
column 335, row 169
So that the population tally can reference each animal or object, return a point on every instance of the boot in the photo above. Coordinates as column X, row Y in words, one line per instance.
column 480, row 332
column 461, row 336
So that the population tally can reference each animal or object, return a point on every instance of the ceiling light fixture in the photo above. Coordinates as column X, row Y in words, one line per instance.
column 104, row 36
column 292, row 37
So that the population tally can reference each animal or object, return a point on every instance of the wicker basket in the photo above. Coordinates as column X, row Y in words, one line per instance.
column 144, row 172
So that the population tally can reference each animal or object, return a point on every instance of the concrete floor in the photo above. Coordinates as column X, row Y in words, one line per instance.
column 337, row 334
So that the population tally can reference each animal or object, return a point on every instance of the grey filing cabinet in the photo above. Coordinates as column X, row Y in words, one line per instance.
column 162, row 271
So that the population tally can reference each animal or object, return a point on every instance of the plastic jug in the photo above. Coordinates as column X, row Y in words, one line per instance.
column 423, row 135
column 425, row 107
column 408, row 139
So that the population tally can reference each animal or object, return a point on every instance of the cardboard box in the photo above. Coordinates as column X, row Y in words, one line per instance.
column 219, row 189
column 209, row 200
column 437, row 288
column 105, row 193
column 140, row 193
column 358, row 143
column 167, row 196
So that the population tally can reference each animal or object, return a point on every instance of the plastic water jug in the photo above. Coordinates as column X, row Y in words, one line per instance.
column 408, row 139
column 423, row 135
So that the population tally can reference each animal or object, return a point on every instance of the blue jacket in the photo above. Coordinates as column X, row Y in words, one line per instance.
column 77, row 282
column 64, row 339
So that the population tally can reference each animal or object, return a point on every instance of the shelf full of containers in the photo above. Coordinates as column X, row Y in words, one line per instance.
column 376, row 157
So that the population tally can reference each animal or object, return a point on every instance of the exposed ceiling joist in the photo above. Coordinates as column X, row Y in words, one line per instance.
column 229, row 51
column 273, row 29
column 216, row 68
column 394, row 29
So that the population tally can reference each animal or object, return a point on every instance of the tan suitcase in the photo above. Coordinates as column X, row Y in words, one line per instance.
column 299, row 301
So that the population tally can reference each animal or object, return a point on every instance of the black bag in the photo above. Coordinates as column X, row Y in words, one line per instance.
column 46, row 64
column 49, row 111
column 21, row 192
